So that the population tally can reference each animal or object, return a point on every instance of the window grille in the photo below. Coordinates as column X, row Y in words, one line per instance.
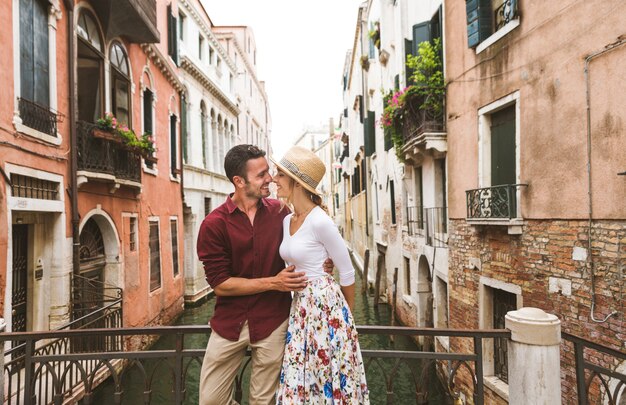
column 133, row 234
column 32, row 187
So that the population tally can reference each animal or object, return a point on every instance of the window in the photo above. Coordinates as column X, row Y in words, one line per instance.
column 181, row 26
column 486, row 17
column 183, row 128
column 155, row 256
column 174, row 235
column 173, row 146
column 120, row 85
column 369, row 127
column 34, row 101
column 200, row 47
column 503, row 302
column 204, row 134
column 90, row 69
column 172, row 35
column 392, row 196
column 132, row 234
column 407, row 276
column 33, row 187
column 210, row 55
column 148, row 126
column 207, row 206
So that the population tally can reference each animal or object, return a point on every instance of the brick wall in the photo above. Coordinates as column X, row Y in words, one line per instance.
column 548, row 253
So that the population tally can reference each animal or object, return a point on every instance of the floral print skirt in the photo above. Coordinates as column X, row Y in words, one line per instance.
column 322, row 363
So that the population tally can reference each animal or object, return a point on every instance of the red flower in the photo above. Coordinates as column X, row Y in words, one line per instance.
column 321, row 353
column 302, row 312
column 337, row 394
column 334, row 323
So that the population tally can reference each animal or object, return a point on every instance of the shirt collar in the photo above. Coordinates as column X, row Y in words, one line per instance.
column 231, row 206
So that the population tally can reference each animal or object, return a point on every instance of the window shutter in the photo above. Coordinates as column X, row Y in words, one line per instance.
column 27, row 62
column 41, row 59
column 172, row 35
column 147, row 111
column 370, row 133
column 183, row 128
column 396, row 82
column 479, row 21
column 421, row 33
column 408, row 49
column 173, row 147
column 361, row 110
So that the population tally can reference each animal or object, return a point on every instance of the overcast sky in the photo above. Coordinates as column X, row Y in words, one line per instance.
column 301, row 48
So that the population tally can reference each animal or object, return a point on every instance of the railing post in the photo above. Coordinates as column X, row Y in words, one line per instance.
column 534, row 357
column 3, row 325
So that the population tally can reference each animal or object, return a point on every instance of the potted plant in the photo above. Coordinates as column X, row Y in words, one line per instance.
column 106, row 128
column 374, row 34
column 428, row 75
column 365, row 62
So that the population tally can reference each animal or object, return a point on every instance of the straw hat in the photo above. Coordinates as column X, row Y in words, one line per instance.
column 303, row 166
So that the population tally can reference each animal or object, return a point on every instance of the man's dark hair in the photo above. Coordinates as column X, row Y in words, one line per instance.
column 236, row 159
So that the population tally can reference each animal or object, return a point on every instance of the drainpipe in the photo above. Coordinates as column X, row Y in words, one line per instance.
column 620, row 41
column 69, row 4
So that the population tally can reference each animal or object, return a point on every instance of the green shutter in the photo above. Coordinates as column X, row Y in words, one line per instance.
column 370, row 133
column 408, row 49
column 421, row 33
column 34, row 57
column 479, row 21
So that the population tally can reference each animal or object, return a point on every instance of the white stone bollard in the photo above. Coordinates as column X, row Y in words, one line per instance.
column 534, row 357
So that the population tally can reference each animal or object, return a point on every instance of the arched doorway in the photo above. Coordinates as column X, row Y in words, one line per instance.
column 88, row 285
column 424, row 294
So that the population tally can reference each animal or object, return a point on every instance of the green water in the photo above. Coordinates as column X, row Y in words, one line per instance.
column 365, row 313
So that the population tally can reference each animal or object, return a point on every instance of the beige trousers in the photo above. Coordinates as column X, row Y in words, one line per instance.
column 222, row 361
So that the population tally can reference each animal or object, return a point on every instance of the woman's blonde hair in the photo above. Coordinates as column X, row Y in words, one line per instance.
column 316, row 198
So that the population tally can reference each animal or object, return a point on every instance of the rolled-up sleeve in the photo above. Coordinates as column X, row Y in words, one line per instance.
column 214, row 251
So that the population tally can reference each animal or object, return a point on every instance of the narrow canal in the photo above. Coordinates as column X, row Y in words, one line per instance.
column 365, row 313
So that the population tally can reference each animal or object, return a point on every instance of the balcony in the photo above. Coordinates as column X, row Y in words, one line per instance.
column 429, row 223
column 424, row 123
column 135, row 20
column 496, row 205
column 103, row 160
column 38, row 117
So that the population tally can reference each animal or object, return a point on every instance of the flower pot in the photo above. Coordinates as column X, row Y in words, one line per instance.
column 109, row 136
column 383, row 57
column 150, row 159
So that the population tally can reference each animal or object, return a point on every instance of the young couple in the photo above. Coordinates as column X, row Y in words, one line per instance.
column 244, row 245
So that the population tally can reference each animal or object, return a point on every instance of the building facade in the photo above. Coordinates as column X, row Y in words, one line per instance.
column 536, row 202
column 87, row 214
column 224, row 105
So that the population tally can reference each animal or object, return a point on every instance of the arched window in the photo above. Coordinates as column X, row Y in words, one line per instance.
column 90, row 68
column 120, row 84
column 204, row 133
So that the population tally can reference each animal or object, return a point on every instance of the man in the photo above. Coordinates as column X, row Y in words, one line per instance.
column 238, row 245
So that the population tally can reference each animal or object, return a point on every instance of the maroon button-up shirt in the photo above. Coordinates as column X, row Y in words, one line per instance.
column 230, row 246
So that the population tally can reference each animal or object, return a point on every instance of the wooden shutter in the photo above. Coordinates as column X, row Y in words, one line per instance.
column 503, row 147
column 173, row 148
column 370, row 133
column 174, row 232
column 147, row 111
column 421, row 33
column 34, row 58
column 172, row 35
column 479, row 21
column 408, row 49
column 392, row 195
column 183, row 128
column 155, row 256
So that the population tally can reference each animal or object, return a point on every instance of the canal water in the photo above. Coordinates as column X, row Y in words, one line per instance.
column 365, row 313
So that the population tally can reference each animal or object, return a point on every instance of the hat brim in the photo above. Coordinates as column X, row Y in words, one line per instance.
column 294, row 177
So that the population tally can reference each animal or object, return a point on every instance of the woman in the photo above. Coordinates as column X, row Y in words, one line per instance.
column 322, row 362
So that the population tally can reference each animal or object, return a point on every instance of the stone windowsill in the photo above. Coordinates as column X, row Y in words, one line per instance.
column 498, row 386
column 515, row 224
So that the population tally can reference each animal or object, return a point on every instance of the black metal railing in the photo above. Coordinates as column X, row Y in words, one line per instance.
column 505, row 13
column 436, row 226
column 415, row 220
column 493, row 202
column 38, row 117
column 455, row 369
column 424, row 113
column 611, row 384
column 104, row 156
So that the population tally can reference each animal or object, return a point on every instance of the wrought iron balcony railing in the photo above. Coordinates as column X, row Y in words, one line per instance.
column 498, row 202
column 38, row 117
column 436, row 226
column 103, row 156
column 506, row 12
column 415, row 220
column 424, row 114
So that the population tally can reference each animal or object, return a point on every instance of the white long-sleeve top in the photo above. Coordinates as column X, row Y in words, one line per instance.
column 316, row 240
